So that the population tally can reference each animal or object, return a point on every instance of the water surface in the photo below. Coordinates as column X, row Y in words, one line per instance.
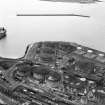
column 24, row 30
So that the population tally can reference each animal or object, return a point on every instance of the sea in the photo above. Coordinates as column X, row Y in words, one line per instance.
column 23, row 30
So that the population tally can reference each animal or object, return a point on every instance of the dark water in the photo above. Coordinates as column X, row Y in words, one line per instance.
column 24, row 30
